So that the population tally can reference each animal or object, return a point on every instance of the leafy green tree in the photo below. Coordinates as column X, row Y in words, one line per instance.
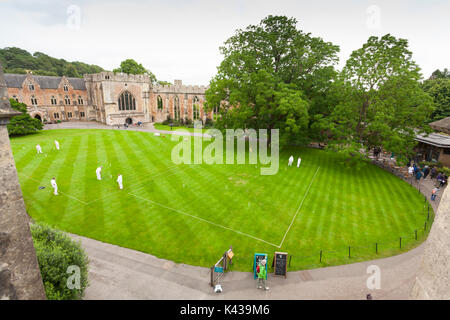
column 270, row 76
column 439, row 90
column 383, row 103
column 59, row 258
column 438, row 74
column 22, row 124
column 16, row 60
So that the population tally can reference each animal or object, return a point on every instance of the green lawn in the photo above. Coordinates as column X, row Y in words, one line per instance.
column 193, row 213
column 159, row 126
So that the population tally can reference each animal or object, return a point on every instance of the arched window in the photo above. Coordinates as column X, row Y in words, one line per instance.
column 176, row 108
column 160, row 103
column 66, row 87
column 127, row 101
column 67, row 100
column 196, row 109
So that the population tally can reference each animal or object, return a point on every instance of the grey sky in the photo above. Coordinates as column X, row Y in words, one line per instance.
column 181, row 39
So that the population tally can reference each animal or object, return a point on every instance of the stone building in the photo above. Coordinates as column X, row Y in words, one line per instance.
column 113, row 99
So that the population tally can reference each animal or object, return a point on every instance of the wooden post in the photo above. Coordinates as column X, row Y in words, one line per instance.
column 425, row 226
column 349, row 252
column 290, row 257
column 376, row 247
column 400, row 242
column 415, row 231
column 320, row 259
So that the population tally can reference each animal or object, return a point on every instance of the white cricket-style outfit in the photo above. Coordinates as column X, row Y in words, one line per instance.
column 57, row 145
column 119, row 181
column 98, row 172
column 299, row 161
column 55, row 186
column 291, row 159
column 38, row 149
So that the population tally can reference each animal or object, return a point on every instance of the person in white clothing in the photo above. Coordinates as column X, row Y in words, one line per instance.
column 99, row 173
column 299, row 161
column 411, row 170
column 38, row 149
column 57, row 145
column 55, row 186
column 291, row 159
column 119, row 181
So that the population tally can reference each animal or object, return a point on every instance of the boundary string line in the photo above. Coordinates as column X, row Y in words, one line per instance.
column 298, row 209
column 201, row 219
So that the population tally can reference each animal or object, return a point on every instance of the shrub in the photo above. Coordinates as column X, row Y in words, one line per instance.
column 22, row 124
column 56, row 252
column 445, row 171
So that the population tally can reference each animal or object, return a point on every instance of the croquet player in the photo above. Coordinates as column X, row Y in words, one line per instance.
column 54, row 186
column 119, row 181
column 99, row 173
column 57, row 145
column 291, row 159
column 298, row 162
column 38, row 148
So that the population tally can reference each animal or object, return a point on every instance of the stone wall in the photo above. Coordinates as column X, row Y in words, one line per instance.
column 20, row 277
column 433, row 278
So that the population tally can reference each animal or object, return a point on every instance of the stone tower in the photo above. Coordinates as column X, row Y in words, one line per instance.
column 20, row 277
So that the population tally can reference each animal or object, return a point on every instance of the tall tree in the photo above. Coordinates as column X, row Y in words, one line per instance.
column 439, row 90
column 384, row 103
column 130, row 66
column 270, row 74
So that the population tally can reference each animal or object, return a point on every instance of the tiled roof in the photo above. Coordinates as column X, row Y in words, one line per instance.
column 435, row 139
column 45, row 82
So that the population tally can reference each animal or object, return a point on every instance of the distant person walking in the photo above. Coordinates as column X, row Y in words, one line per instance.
column 291, row 159
column 38, row 149
column 57, row 145
column 119, row 181
column 298, row 162
column 426, row 171
column 411, row 171
column 434, row 193
column 433, row 173
column 54, row 186
column 261, row 272
column 418, row 175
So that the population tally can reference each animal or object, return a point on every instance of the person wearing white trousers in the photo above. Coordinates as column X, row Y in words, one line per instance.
column 298, row 162
column 38, row 149
column 119, row 181
column 291, row 159
column 99, row 173
column 55, row 186
column 57, row 145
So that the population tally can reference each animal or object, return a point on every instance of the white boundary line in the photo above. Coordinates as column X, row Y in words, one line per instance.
column 204, row 220
column 298, row 209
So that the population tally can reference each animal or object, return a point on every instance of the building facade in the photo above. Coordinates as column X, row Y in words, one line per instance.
column 113, row 99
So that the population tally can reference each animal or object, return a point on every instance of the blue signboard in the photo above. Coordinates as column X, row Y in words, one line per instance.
column 218, row 269
column 256, row 260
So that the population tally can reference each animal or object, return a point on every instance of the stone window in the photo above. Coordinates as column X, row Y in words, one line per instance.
column 107, row 77
column 126, row 101
column 66, row 87
column 160, row 103
column 15, row 98
column 82, row 114
column 56, row 115
column 31, row 87
column 176, row 108
column 195, row 109
column 67, row 100
column 53, row 100
column 80, row 100
column 69, row 114
column 33, row 101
